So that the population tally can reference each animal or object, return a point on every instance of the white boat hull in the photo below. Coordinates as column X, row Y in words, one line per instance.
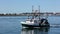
column 33, row 25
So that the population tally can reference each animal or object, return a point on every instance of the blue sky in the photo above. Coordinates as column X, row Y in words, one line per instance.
column 18, row 6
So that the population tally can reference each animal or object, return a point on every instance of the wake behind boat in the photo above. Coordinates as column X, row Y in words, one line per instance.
column 36, row 21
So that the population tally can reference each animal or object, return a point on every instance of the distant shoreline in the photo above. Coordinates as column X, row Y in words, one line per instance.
column 30, row 14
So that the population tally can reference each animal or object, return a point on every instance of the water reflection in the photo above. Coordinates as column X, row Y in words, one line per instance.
column 35, row 31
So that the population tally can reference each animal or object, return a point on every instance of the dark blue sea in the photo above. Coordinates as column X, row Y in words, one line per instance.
column 12, row 25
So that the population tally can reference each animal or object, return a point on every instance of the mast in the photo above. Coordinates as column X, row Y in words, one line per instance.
column 39, row 11
column 32, row 9
column 36, row 12
column 32, row 12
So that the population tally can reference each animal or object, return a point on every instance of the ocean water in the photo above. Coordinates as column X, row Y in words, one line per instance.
column 12, row 25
